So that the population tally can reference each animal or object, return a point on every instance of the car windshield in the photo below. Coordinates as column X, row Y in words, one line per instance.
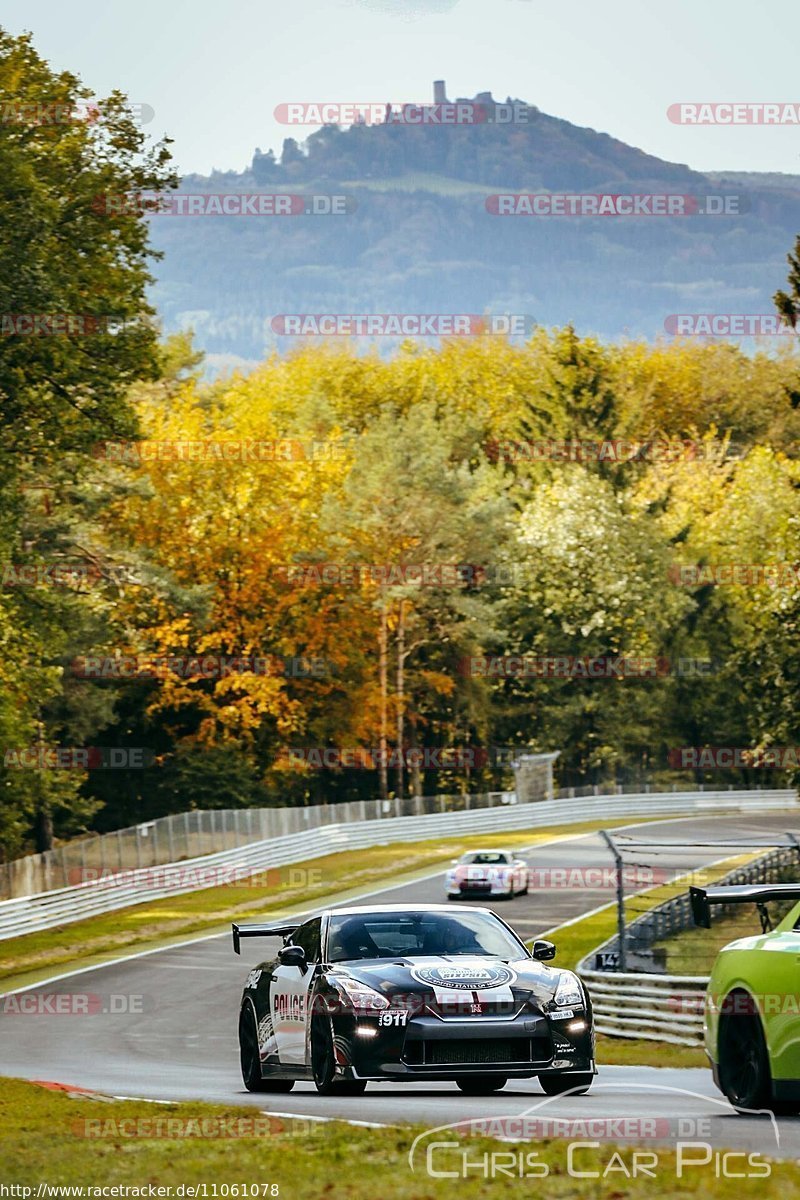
column 484, row 857
column 414, row 934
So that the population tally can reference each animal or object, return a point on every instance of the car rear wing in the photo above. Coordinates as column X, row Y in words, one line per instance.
column 259, row 929
column 759, row 894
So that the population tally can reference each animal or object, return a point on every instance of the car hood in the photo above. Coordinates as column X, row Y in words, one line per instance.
column 449, row 976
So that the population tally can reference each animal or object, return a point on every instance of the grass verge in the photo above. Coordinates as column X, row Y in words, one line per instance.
column 45, row 1143
column 692, row 951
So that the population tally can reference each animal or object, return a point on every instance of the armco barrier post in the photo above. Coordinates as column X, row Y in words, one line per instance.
column 620, row 897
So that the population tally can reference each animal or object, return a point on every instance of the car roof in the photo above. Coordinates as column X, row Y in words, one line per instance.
column 408, row 908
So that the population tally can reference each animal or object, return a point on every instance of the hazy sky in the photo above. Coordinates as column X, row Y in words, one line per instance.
column 215, row 71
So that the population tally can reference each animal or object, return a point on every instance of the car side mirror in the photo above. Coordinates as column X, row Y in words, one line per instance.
column 543, row 949
column 292, row 956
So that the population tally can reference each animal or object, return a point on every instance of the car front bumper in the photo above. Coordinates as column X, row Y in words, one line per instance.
column 429, row 1047
column 476, row 889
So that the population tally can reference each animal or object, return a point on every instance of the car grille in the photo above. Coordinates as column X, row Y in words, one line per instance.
column 462, row 1008
column 467, row 1051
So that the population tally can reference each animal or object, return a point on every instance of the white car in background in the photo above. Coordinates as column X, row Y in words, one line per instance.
column 492, row 873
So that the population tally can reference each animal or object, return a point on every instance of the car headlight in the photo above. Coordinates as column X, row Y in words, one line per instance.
column 364, row 999
column 568, row 991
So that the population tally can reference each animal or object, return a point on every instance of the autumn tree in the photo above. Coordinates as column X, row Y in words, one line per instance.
column 66, row 257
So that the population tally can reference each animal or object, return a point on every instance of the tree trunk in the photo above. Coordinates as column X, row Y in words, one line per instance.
column 383, row 672
column 416, row 773
column 43, row 821
column 401, row 669
column 43, row 829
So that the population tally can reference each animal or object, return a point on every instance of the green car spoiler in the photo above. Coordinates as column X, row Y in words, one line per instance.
column 259, row 929
column 759, row 894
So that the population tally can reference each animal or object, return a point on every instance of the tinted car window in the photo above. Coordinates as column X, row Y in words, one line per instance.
column 401, row 935
column 307, row 936
column 487, row 858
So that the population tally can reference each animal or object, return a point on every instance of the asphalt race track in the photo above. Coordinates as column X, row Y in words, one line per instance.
column 174, row 1034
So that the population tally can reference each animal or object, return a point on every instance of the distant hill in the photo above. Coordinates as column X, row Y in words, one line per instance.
column 421, row 239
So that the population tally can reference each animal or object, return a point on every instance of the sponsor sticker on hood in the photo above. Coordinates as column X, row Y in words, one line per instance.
column 464, row 977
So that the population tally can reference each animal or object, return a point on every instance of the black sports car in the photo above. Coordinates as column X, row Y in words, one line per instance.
column 395, row 993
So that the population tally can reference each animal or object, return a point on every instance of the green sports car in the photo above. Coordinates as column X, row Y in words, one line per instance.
column 752, row 1009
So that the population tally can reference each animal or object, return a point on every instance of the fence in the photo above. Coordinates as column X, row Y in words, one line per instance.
column 666, row 1008
column 676, row 914
column 191, row 834
column 109, row 892
column 188, row 835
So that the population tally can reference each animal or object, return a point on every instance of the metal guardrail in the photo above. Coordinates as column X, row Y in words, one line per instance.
column 656, row 1008
column 47, row 910
column 188, row 835
column 660, row 1007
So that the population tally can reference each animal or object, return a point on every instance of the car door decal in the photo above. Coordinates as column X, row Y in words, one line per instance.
column 267, row 1042
column 289, row 1006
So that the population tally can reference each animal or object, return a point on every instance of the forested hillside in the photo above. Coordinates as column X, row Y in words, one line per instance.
column 417, row 236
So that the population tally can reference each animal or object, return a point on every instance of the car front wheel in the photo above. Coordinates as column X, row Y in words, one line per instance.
column 251, row 1060
column 744, row 1073
column 323, row 1064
